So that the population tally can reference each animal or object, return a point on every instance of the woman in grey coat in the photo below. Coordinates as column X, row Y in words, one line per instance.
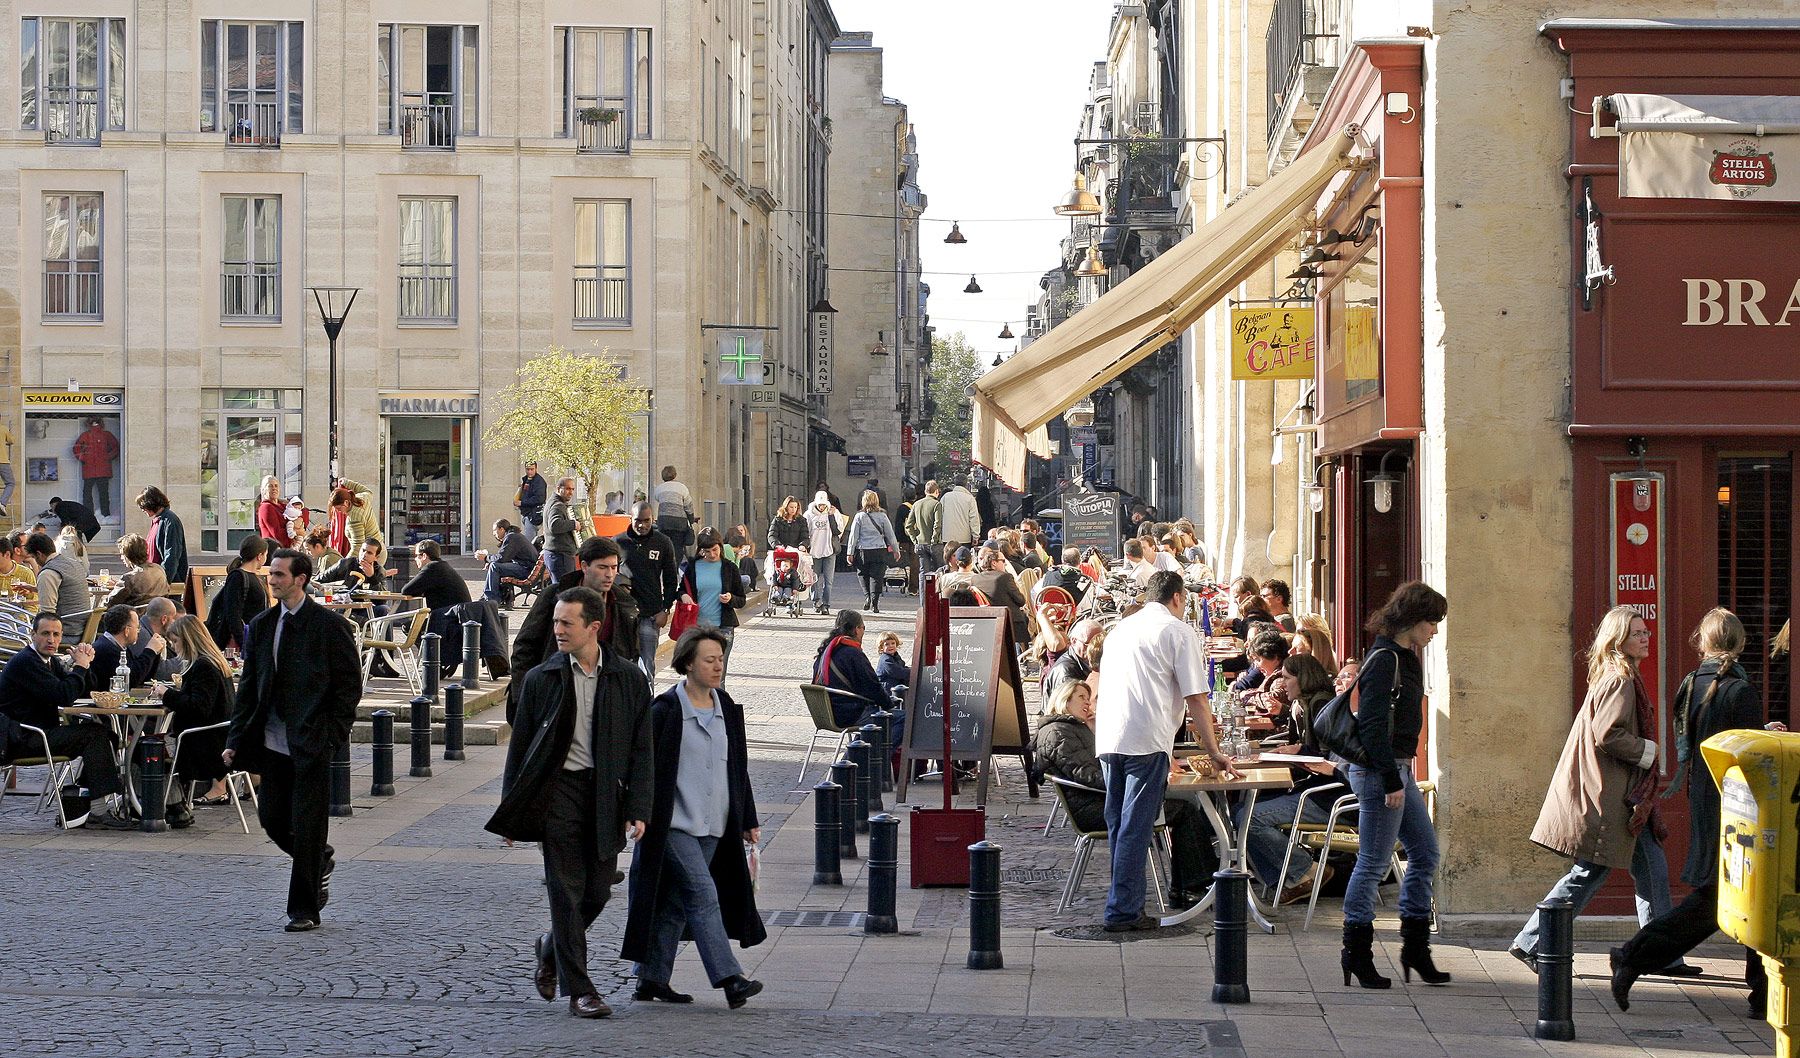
column 871, row 542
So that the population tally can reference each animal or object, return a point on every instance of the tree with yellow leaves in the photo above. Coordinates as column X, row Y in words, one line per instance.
column 574, row 411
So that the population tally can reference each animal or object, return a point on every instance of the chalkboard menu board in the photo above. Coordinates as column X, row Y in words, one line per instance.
column 987, row 698
column 1091, row 519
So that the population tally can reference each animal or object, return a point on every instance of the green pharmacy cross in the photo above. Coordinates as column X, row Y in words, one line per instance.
column 740, row 356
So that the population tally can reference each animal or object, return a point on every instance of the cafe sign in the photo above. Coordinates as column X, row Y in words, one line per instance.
column 1271, row 343
column 1636, row 572
column 460, row 405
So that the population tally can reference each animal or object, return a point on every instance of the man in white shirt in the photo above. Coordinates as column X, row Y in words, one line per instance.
column 1135, row 564
column 1152, row 678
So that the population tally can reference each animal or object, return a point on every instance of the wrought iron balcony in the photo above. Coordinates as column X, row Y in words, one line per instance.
column 428, row 126
column 72, row 293
column 1302, row 55
column 250, row 290
column 253, row 124
column 71, row 115
column 601, row 298
column 428, row 297
column 601, row 130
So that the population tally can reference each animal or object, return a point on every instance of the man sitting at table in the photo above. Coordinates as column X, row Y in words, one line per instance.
column 1265, row 652
column 16, row 575
column 153, row 629
column 443, row 589
column 515, row 559
column 361, row 571
column 119, row 634
column 34, row 685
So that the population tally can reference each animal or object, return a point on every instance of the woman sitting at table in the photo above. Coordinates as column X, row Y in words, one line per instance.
column 202, row 697
column 143, row 580
column 842, row 666
column 1303, row 681
column 1064, row 749
column 241, row 597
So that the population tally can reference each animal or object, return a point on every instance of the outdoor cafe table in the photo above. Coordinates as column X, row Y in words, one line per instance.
column 1212, row 793
column 130, row 723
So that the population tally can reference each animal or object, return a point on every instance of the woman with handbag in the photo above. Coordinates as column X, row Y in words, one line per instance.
column 871, row 539
column 1388, row 703
column 690, row 875
column 1600, row 810
column 714, row 586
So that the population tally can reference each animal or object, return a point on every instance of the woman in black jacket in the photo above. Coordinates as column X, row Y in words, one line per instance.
column 1718, row 697
column 1390, row 713
column 699, row 575
column 241, row 597
column 204, row 697
column 842, row 666
column 690, row 875
column 788, row 527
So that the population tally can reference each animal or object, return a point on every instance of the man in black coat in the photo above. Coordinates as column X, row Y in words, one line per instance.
column 596, row 567
column 36, row 683
column 533, row 491
column 515, row 559
column 119, row 633
column 443, row 589
column 79, row 515
column 296, row 703
column 651, row 566
column 579, row 777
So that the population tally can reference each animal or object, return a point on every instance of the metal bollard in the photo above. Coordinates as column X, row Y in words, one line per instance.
column 871, row 733
column 453, row 722
column 153, row 773
column 471, row 655
column 844, row 774
column 858, row 798
column 421, row 737
column 984, row 906
column 826, row 869
column 1231, row 940
column 884, row 719
column 429, row 661
column 884, row 872
column 340, row 780
column 383, row 785
column 1555, row 964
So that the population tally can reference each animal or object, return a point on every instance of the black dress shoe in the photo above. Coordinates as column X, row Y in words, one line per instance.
column 544, row 976
column 739, row 989
column 1139, row 923
column 660, row 992
column 302, row 925
column 589, row 1006
column 325, row 882
column 1181, row 899
column 1623, row 977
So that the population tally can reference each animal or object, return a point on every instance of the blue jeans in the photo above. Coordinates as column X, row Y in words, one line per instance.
column 490, row 588
column 824, row 568
column 689, row 903
column 1379, row 827
column 1266, row 842
column 648, row 637
column 556, row 566
column 1135, row 784
column 1649, row 874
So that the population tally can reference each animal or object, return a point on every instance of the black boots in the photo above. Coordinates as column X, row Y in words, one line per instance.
column 1415, row 952
column 1358, row 956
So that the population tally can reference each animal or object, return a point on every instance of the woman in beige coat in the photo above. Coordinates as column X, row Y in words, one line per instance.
column 1588, row 813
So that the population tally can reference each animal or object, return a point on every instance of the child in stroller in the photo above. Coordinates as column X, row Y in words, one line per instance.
column 786, row 585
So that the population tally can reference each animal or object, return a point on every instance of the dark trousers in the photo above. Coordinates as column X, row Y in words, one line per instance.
column 294, row 810
column 578, row 877
column 93, row 744
column 97, row 494
column 1665, row 940
column 872, row 563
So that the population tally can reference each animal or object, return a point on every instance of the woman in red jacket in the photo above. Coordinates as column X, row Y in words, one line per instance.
column 271, row 513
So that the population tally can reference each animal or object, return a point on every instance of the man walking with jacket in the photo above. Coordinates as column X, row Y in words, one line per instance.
column 961, row 519
column 296, row 703
column 599, row 561
column 561, row 536
column 579, row 785
column 925, row 527
column 655, row 580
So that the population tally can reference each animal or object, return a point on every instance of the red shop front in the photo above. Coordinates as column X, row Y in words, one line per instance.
column 1685, row 417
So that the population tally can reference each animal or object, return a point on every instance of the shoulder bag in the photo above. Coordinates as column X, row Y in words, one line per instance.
column 1335, row 726
column 685, row 616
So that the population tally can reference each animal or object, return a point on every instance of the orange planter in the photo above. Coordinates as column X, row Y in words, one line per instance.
column 611, row 524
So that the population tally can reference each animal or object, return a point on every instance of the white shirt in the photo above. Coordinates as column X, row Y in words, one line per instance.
column 1168, row 562
column 1153, row 662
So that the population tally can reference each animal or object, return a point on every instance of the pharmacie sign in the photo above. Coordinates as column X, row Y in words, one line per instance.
column 458, row 404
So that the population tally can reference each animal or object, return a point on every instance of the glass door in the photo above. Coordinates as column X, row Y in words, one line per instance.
column 1755, row 495
column 250, row 455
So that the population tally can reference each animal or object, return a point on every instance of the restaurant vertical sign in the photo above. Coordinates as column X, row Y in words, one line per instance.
column 1637, row 581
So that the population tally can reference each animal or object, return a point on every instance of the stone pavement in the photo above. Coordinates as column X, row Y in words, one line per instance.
column 121, row 944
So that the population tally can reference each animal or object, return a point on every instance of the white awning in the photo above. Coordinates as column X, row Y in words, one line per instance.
column 1145, row 312
column 1708, row 146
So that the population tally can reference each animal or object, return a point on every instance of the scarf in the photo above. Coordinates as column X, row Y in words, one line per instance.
column 822, row 676
column 1643, row 795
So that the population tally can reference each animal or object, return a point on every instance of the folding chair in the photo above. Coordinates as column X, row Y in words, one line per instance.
column 1332, row 839
column 825, row 727
column 1298, row 827
column 59, row 771
column 231, row 777
column 1085, row 840
column 385, row 635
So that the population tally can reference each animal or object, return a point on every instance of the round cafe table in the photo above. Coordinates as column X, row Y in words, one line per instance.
column 1212, row 793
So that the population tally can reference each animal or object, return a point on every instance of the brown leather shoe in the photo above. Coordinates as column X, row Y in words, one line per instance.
column 1302, row 889
column 545, row 976
column 589, row 1006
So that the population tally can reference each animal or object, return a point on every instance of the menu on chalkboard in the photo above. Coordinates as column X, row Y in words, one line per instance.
column 1091, row 519
column 987, row 703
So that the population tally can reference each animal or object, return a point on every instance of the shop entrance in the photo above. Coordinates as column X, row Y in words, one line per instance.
column 246, row 435
column 1755, row 497
column 428, row 480
column 73, row 444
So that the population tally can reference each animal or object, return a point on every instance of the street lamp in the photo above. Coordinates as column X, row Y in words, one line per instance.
column 1384, row 481
column 334, row 307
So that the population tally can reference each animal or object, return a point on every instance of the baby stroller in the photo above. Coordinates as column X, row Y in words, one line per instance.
column 790, row 577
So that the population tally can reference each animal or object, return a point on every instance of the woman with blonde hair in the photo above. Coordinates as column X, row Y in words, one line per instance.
column 271, row 512
column 1313, row 638
column 871, row 542
column 202, row 697
column 1600, row 809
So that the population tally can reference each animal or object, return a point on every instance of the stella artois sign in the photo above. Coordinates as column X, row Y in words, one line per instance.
column 1747, row 169
column 1706, row 146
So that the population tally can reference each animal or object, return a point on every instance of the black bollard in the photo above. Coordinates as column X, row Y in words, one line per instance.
column 339, row 769
column 453, row 722
column 826, row 869
column 885, row 721
column 859, row 798
column 844, row 774
column 383, row 785
column 984, row 906
column 471, row 655
column 1231, row 940
column 421, row 737
column 153, row 773
column 871, row 734
column 884, row 872
column 1555, row 964
column 428, row 653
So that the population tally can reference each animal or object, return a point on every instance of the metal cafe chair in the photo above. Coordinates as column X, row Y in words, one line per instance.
column 1085, row 840
column 59, row 771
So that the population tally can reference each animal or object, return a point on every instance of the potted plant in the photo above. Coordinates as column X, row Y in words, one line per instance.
column 597, row 115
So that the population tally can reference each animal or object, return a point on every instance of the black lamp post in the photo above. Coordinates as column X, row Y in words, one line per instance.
column 334, row 307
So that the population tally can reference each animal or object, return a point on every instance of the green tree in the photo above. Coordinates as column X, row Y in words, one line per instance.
column 570, row 410
column 954, row 368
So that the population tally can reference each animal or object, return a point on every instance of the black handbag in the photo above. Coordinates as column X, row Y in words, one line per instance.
column 1335, row 725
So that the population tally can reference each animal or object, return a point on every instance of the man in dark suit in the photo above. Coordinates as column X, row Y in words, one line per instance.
column 596, row 567
column 119, row 634
column 36, row 683
column 578, row 784
column 515, row 559
column 79, row 515
column 296, row 703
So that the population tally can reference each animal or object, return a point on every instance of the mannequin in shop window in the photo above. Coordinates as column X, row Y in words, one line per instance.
column 97, row 450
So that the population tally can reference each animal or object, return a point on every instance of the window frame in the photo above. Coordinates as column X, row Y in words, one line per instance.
column 252, row 276
column 638, row 80
column 290, row 58
column 71, row 261
column 599, row 269
column 110, row 83
column 465, row 99
column 425, row 266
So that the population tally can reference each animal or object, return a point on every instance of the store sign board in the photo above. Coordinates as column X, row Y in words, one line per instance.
column 430, row 403
column 1271, row 343
column 860, row 466
column 1091, row 519
column 53, row 399
column 1636, row 573
column 740, row 358
column 821, row 352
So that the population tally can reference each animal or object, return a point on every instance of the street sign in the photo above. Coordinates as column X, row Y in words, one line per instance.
column 1091, row 519
column 765, row 398
column 861, row 466
column 821, row 352
column 740, row 358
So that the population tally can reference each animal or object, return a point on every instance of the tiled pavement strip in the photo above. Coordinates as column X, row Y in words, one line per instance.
column 170, row 944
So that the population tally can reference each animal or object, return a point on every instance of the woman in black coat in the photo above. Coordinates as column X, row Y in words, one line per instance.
column 690, row 875
column 841, row 666
column 241, row 597
column 203, row 698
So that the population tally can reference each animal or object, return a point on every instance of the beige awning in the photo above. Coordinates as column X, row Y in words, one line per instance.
column 1136, row 318
column 1707, row 146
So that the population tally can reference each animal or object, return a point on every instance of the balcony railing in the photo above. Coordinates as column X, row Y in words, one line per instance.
column 253, row 124
column 428, row 126
column 596, row 135
column 1300, row 35
column 250, row 290
column 601, row 299
column 71, row 115
column 428, row 298
column 72, row 294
